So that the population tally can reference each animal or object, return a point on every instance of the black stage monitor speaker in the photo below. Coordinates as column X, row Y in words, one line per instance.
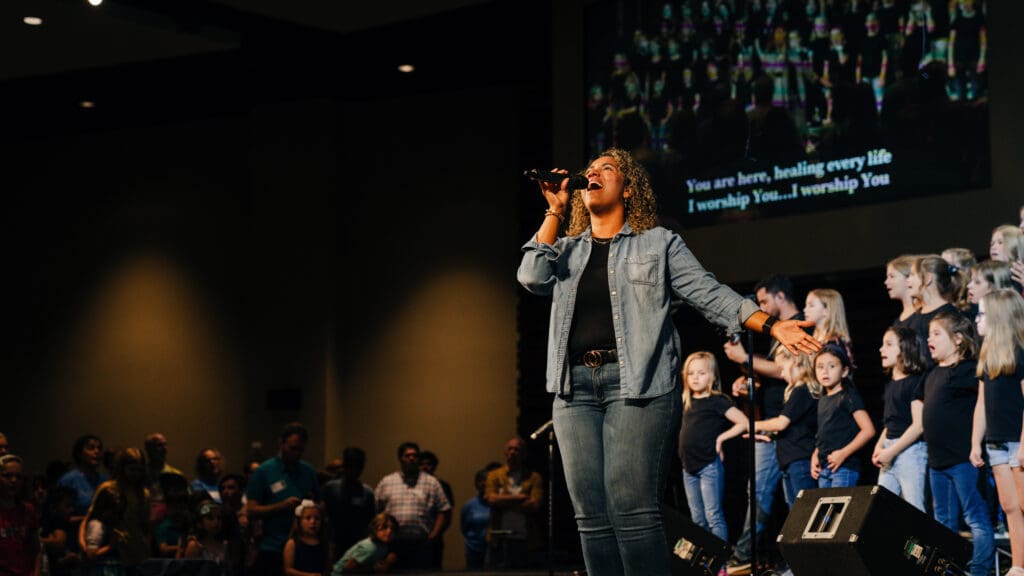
column 695, row 551
column 867, row 531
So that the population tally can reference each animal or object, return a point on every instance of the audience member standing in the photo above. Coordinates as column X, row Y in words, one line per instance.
column 514, row 494
column 474, row 520
column 276, row 488
column 417, row 501
column 155, row 446
column 428, row 464
column 20, row 553
column 349, row 502
column 84, row 478
column 129, row 530
column 209, row 468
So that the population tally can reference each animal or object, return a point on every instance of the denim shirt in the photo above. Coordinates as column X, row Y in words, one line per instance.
column 647, row 273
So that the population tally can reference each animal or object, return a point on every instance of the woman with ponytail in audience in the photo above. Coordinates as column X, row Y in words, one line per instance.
column 999, row 412
column 897, row 279
column 938, row 284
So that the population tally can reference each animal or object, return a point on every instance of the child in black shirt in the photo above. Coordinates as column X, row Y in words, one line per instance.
column 844, row 426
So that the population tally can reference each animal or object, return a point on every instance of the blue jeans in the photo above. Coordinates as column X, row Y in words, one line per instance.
column 615, row 455
column 905, row 475
column 841, row 478
column 955, row 489
column 704, row 493
column 796, row 477
column 768, row 476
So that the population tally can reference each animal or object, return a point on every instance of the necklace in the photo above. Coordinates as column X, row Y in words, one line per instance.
column 601, row 241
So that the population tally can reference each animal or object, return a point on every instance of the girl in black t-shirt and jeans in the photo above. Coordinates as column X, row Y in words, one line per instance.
column 950, row 396
column 844, row 426
column 709, row 419
column 999, row 412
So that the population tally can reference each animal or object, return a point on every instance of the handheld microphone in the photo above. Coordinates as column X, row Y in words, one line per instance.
column 576, row 181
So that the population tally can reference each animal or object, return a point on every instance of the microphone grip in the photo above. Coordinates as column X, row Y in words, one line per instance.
column 576, row 181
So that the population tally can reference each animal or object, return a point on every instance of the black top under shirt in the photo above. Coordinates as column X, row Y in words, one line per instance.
column 836, row 425
column 1004, row 404
column 897, row 397
column 703, row 421
column 796, row 442
column 592, row 327
column 950, row 393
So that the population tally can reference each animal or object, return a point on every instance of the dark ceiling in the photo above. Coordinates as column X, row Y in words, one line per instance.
column 139, row 59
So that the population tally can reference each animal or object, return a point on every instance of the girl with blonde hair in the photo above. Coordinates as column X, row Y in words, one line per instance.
column 999, row 412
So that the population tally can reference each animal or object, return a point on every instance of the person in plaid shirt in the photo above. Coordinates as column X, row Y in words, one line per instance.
column 417, row 501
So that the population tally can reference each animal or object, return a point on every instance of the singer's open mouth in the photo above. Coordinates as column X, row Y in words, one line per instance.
column 594, row 186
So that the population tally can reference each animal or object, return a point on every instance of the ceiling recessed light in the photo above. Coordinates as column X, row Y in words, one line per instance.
column 406, row 68
column 95, row 2
column 87, row 104
column 32, row 20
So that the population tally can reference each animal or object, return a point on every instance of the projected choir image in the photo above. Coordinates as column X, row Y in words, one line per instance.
column 747, row 108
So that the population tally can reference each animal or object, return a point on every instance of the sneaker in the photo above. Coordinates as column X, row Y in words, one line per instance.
column 736, row 567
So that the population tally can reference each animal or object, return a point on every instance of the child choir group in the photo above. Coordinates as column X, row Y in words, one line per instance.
column 953, row 404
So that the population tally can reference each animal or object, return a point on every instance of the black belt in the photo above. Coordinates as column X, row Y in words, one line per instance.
column 595, row 358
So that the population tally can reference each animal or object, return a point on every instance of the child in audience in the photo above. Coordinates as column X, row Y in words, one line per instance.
column 56, row 531
column 999, row 412
column 370, row 554
column 206, row 542
column 844, row 426
column 797, row 424
column 900, row 453
column 305, row 552
column 96, row 537
column 709, row 419
column 897, row 278
column 825, row 308
column 19, row 524
column 938, row 284
column 950, row 396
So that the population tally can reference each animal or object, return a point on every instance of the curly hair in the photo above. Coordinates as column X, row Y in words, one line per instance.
column 641, row 205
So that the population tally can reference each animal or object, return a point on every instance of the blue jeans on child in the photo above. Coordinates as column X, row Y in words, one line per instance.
column 704, row 493
column 615, row 455
column 796, row 477
column 905, row 475
column 955, row 489
column 839, row 479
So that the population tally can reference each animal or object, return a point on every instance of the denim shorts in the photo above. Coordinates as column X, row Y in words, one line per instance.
column 1003, row 453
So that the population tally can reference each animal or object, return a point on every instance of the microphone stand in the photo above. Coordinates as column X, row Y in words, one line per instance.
column 752, row 488
column 551, row 486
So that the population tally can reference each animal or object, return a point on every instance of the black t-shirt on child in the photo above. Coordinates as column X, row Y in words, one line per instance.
column 796, row 442
column 703, row 421
column 836, row 425
column 1004, row 404
column 897, row 396
column 950, row 393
